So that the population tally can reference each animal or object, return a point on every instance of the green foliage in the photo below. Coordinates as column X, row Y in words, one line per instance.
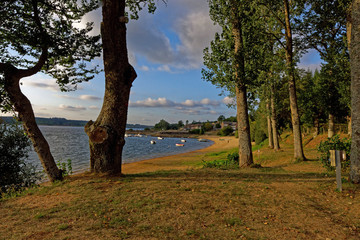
column 44, row 29
column 65, row 167
column 197, row 131
column 226, row 131
column 15, row 173
column 260, row 136
column 231, row 162
column 162, row 125
column 334, row 143
column 208, row 127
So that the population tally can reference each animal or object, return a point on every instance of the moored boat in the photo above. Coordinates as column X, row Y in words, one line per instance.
column 179, row 144
column 152, row 142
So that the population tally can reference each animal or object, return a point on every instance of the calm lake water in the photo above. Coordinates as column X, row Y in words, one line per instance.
column 72, row 143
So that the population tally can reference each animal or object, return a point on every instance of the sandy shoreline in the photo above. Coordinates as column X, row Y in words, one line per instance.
column 180, row 161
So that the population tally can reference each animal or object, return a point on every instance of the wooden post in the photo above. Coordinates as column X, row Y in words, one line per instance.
column 336, row 156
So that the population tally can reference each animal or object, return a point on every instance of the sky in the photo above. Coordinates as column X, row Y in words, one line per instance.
column 166, row 50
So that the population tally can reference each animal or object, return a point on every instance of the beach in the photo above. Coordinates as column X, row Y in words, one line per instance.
column 183, row 161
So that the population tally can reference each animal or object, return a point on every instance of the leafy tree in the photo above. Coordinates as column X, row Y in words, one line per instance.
column 106, row 134
column 208, row 127
column 283, row 11
column 231, row 61
column 180, row 124
column 221, row 118
column 355, row 92
column 15, row 173
column 40, row 36
column 162, row 125
column 323, row 27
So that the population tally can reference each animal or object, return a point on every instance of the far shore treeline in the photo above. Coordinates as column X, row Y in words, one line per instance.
column 66, row 122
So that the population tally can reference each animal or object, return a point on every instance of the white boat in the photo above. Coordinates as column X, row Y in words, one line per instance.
column 152, row 142
column 183, row 140
column 139, row 135
column 160, row 138
column 179, row 144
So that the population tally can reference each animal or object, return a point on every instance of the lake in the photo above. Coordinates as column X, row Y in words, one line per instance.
column 72, row 143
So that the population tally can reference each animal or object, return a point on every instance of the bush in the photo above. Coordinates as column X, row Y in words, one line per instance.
column 196, row 131
column 260, row 136
column 231, row 162
column 15, row 173
column 334, row 143
column 226, row 131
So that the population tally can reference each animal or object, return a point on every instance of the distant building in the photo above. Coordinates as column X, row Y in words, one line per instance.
column 231, row 124
column 193, row 126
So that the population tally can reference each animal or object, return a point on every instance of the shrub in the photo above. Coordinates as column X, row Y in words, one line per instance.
column 15, row 173
column 196, row 131
column 65, row 167
column 232, row 161
column 334, row 143
column 226, row 131
column 260, row 136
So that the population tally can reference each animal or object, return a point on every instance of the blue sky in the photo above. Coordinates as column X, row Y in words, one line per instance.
column 166, row 51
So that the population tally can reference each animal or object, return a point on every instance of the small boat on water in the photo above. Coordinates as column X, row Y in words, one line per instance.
column 160, row 138
column 183, row 140
column 202, row 140
column 152, row 142
column 179, row 144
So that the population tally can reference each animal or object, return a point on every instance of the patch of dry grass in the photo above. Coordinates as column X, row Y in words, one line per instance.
column 282, row 200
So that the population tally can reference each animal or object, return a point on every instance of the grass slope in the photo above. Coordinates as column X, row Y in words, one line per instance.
column 282, row 200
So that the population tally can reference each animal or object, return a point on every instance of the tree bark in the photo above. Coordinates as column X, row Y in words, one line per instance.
column 316, row 126
column 274, row 120
column 355, row 93
column 349, row 126
column 245, row 150
column 106, row 134
column 22, row 105
column 269, row 127
column 331, row 127
column 295, row 119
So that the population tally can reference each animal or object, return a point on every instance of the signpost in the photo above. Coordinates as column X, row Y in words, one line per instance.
column 336, row 156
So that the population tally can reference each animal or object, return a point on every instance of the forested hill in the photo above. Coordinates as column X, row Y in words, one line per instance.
column 65, row 122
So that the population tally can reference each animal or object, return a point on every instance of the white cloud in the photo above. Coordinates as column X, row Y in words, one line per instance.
column 144, row 68
column 188, row 105
column 229, row 101
column 89, row 97
column 48, row 84
column 71, row 108
column 93, row 107
column 160, row 102
column 164, row 68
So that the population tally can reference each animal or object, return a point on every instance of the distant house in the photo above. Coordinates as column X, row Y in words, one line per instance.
column 231, row 124
column 193, row 126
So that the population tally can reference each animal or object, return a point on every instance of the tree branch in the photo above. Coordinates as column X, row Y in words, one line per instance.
column 44, row 48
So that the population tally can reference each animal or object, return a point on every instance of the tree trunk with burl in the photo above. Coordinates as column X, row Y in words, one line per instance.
column 106, row 134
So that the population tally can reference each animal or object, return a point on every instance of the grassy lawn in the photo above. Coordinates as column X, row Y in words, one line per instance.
column 282, row 200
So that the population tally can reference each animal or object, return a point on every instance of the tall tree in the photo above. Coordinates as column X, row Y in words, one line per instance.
column 281, row 10
column 355, row 92
column 233, row 58
column 323, row 26
column 39, row 36
column 106, row 134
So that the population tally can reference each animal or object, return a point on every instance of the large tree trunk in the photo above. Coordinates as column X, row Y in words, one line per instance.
column 316, row 126
column 355, row 93
column 269, row 127
column 331, row 127
column 274, row 120
column 22, row 105
column 106, row 134
column 245, row 151
column 349, row 126
column 295, row 119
